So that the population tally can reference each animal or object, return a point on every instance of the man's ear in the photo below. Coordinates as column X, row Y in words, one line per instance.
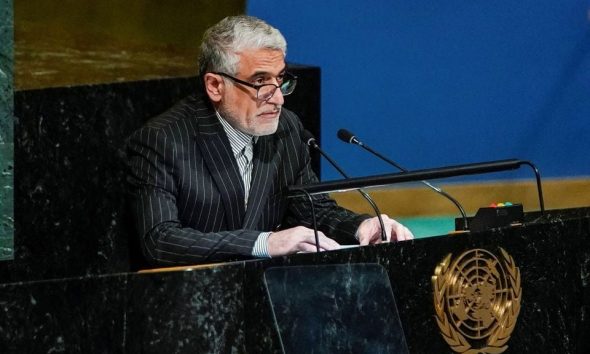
column 214, row 86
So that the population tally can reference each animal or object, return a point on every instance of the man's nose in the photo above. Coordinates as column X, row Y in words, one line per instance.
column 277, row 98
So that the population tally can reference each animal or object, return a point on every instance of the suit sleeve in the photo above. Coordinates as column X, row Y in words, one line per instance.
column 152, row 195
column 334, row 221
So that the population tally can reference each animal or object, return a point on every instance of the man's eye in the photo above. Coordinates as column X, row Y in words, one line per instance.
column 259, row 81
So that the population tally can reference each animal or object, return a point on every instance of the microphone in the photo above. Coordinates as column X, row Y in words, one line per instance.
column 350, row 138
column 309, row 139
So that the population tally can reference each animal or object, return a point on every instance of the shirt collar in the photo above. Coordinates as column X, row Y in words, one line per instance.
column 237, row 139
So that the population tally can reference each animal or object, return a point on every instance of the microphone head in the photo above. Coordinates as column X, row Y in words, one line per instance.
column 346, row 136
column 308, row 137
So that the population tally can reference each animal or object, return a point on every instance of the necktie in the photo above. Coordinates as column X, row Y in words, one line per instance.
column 246, row 170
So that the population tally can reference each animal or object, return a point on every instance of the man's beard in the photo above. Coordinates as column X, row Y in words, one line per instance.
column 251, row 126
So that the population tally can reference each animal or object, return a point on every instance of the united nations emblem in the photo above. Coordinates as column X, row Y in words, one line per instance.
column 477, row 300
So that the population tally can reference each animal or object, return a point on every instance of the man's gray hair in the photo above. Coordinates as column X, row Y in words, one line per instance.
column 223, row 41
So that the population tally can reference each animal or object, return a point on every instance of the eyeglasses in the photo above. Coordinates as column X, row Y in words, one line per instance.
column 266, row 91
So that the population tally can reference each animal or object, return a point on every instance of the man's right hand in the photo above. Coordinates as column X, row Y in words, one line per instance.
column 298, row 239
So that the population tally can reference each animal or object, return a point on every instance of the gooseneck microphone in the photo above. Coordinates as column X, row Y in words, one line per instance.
column 350, row 138
column 309, row 139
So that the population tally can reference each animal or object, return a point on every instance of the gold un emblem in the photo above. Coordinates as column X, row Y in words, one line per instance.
column 477, row 300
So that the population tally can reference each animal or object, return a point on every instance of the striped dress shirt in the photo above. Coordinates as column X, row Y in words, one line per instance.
column 242, row 147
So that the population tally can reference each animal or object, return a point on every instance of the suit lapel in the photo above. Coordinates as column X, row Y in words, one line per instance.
column 220, row 161
column 263, row 177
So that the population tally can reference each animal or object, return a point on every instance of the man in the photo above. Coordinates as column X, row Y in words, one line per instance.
column 209, row 177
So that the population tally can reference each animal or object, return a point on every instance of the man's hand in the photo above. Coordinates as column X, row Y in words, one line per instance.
column 369, row 231
column 298, row 239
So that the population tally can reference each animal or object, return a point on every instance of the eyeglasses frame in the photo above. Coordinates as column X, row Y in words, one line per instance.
column 258, row 87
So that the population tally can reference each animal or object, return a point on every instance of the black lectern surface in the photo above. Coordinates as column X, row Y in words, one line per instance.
column 226, row 308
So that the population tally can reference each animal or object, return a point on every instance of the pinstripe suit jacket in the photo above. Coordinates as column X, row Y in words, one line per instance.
column 187, row 195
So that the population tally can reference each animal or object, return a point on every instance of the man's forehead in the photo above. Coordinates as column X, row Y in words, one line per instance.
column 261, row 61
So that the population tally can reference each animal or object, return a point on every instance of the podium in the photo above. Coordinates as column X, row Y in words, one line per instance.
column 227, row 308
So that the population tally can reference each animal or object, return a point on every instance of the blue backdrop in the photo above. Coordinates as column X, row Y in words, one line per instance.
column 435, row 83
